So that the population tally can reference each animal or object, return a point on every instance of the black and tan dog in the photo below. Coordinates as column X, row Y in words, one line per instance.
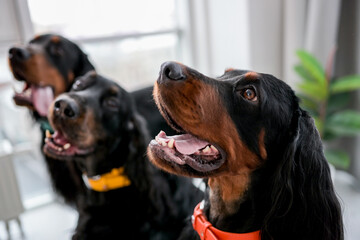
column 97, row 126
column 263, row 157
column 48, row 65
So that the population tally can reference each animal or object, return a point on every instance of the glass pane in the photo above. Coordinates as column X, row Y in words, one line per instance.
column 89, row 18
column 134, row 62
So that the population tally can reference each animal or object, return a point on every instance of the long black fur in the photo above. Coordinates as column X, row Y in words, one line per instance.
column 153, row 207
column 156, row 203
column 303, row 203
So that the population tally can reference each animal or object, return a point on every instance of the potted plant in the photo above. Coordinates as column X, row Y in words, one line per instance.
column 327, row 100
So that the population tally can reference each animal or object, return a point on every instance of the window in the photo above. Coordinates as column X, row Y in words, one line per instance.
column 127, row 40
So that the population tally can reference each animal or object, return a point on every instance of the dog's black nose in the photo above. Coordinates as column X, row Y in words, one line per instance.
column 172, row 71
column 18, row 53
column 66, row 108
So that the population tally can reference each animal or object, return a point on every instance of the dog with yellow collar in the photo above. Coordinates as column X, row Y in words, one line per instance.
column 96, row 125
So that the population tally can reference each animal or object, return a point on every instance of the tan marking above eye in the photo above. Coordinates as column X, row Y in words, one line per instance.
column 229, row 70
column 113, row 90
column 251, row 75
column 250, row 94
column 55, row 39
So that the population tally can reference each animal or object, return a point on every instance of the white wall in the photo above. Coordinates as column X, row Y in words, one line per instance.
column 218, row 35
column 15, row 28
column 229, row 35
column 9, row 28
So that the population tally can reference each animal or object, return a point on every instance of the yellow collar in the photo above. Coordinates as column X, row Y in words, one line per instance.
column 108, row 181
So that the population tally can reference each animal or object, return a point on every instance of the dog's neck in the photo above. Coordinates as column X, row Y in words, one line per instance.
column 226, row 193
column 229, row 205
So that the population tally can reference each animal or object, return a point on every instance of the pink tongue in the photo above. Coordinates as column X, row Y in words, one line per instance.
column 189, row 144
column 59, row 138
column 42, row 98
column 185, row 143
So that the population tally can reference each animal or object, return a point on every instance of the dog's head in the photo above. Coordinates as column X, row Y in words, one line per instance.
column 48, row 65
column 230, row 122
column 93, row 121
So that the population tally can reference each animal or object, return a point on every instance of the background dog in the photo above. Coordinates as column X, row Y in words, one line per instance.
column 48, row 65
column 97, row 126
column 260, row 151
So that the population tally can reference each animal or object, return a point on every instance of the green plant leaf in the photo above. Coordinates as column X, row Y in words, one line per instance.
column 312, row 66
column 338, row 102
column 308, row 104
column 319, row 124
column 328, row 136
column 301, row 71
column 344, row 123
column 313, row 91
column 339, row 159
column 345, row 84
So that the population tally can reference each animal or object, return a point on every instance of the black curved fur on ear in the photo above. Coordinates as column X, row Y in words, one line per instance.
column 136, row 138
column 143, row 175
column 83, row 64
column 303, row 200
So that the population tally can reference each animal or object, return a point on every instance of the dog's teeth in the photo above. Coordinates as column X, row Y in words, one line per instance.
column 27, row 93
column 171, row 143
column 47, row 134
column 59, row 149
column 163, row 143
column 67, row 146
column 214, row 148
column 206, row 150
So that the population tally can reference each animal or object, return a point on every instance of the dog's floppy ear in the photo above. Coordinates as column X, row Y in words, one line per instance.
column 302, row 194
column 83, row 64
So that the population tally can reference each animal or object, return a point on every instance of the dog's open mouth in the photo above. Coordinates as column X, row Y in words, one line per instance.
column 57, row 146
column 186, row 149
column 40, row 98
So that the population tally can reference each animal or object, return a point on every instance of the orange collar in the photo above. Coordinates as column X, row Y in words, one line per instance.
column 109, row 181
column 207, row 232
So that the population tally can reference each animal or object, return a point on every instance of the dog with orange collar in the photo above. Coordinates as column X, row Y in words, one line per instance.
column 261, row 153
column 97, row 126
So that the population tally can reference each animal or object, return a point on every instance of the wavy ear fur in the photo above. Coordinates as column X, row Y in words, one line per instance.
column 303, row 202
column 83, row 64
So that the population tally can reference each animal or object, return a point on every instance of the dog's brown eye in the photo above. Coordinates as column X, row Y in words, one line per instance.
column 250, row 94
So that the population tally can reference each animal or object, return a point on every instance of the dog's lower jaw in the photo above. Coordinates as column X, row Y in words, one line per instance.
column 226, row 195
